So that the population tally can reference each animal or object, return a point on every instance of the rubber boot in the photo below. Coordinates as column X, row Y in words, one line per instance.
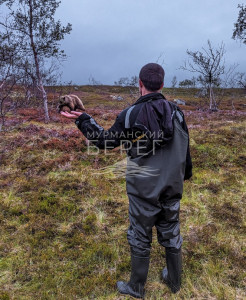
column 139, row 272
column 171, row 275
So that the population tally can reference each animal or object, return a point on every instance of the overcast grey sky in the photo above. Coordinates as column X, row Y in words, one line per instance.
column 115, row 38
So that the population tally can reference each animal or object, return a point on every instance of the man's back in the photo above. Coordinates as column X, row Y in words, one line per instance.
column 162, row 171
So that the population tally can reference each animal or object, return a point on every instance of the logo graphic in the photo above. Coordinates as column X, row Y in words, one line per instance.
column 127, row 167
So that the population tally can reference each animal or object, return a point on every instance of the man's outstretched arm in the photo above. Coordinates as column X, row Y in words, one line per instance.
column 94, row 132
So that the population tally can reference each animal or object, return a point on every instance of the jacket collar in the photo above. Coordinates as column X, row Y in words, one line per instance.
column 149, row 97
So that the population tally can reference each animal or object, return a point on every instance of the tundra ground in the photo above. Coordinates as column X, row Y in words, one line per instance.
column 63, row 222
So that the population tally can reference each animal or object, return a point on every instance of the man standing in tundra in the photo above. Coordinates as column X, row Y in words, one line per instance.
column 155, row 135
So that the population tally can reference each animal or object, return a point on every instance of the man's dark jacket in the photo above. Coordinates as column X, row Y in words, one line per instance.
column 149, row 119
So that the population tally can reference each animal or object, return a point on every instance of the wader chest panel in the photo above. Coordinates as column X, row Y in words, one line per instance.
column 166, row 170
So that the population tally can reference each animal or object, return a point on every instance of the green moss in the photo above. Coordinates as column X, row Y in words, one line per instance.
column 63, row 229
column 123, row 266
column 89, row 223
column 47, row 203
column 4, row 295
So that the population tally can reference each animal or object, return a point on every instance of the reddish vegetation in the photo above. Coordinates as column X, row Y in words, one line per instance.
column 71, row 224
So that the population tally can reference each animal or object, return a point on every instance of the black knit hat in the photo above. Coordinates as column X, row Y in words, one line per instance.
column 152, row 76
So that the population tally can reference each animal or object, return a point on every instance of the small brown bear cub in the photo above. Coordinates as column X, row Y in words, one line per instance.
column 69, row 103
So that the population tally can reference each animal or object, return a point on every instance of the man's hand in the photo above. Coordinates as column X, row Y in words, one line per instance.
column 72, row 115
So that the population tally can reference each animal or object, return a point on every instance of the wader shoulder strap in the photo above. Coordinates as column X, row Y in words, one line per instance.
column 127, row 118
column 177, row 113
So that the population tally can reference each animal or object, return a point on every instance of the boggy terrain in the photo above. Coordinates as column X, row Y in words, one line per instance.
column 63, row 218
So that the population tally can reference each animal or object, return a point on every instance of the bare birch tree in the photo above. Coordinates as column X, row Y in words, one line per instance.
column 174, row 82
column 241, row 80
column 210, row 65
column 34, row 28
column 9, row 69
